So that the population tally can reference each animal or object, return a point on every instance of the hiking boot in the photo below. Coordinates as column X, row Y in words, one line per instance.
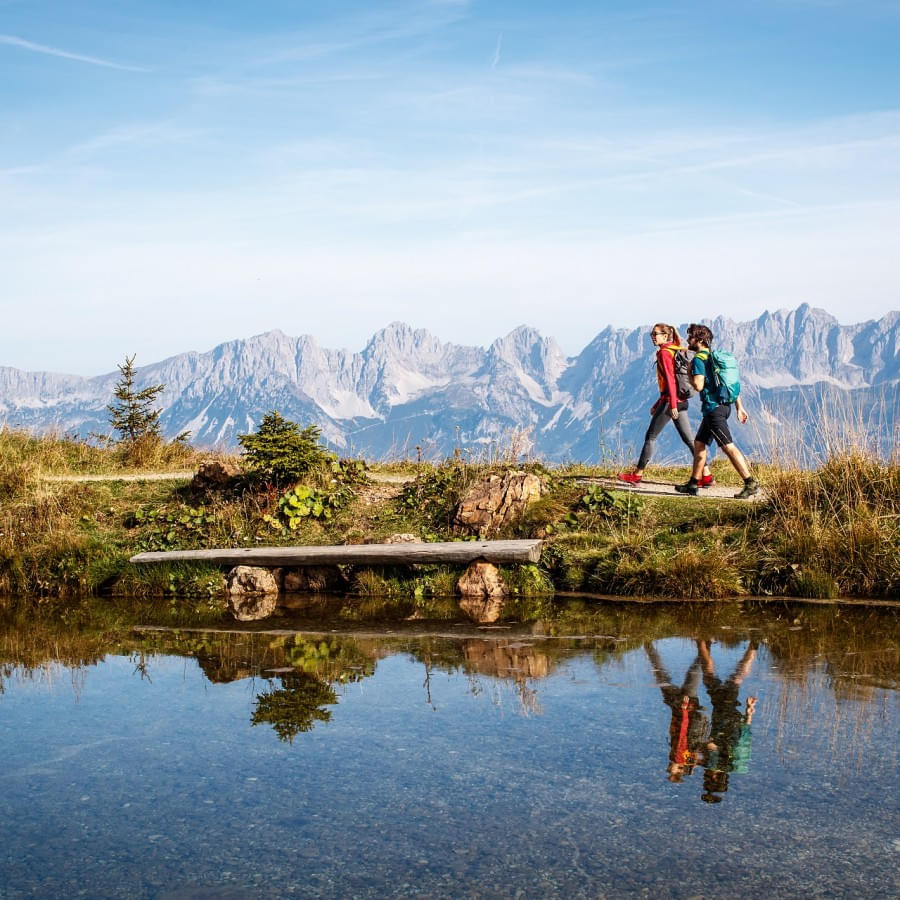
column 706, row 481
column 629, row 477
column 750, row 489
column 687, row 488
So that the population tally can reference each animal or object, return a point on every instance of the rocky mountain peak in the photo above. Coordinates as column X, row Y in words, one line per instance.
column 406, row 385
column 526, row 351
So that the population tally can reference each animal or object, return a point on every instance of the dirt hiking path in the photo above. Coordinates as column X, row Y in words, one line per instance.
column 383, row 486
column 667, row 489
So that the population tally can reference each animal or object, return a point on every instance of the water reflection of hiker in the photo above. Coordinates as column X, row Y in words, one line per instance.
column 672, row 402
column 687, row 730
column 728, row 748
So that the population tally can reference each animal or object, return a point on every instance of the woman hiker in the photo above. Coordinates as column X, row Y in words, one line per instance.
column 671, row 404
column 689, row 724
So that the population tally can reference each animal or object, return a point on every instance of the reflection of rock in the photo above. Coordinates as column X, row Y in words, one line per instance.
column 484, row 611
column 506, row 659
column 496, row 501
column 252, row 592
column 220, row 672
column 483, row 592
column 310, row 602
column 312, row 579
column 214, row 473
column 250, row 607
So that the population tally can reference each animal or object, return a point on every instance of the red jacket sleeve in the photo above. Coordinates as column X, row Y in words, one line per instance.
column 666, row 362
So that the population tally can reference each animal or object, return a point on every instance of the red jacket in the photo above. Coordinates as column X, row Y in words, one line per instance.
column 665, row 374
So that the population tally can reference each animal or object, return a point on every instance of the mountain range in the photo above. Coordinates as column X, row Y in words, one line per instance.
column 806, row 379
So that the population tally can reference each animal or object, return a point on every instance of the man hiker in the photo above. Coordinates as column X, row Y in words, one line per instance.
column 728, row 748
column 714, row 426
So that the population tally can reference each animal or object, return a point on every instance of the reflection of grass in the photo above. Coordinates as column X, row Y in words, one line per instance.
column 854, row 650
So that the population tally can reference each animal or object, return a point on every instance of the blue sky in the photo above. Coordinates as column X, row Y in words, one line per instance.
column 173, row 175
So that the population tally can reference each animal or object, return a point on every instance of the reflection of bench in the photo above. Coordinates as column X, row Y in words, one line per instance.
column 459, row 552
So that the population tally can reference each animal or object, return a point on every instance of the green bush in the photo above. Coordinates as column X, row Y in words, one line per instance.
column 281, row 452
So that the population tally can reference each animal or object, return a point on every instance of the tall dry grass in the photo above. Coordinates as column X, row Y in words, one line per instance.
column 836, row 527
column 23, row 454
column 45, row 547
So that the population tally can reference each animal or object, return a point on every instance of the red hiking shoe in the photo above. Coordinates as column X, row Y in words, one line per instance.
column 706, row 481
column 629, row 477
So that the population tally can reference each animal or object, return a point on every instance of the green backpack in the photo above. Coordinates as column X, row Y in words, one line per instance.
column 726, row 386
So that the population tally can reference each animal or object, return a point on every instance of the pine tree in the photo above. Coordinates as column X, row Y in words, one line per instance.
column 133, row 414
column 282, row 451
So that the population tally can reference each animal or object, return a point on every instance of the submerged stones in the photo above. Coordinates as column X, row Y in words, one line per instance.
column 256, row 592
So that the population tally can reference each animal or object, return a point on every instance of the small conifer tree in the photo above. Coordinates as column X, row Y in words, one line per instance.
column 133, row 414
column 281, row 451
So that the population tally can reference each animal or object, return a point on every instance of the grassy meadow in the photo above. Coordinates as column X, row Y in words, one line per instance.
column 823, row 532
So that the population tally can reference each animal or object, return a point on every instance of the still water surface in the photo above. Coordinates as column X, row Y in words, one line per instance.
column 557, row 757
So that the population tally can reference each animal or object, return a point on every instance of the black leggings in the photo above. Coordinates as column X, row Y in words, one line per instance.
column 658, row 422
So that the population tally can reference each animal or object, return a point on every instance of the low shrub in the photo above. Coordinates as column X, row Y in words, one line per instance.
column 302, row 502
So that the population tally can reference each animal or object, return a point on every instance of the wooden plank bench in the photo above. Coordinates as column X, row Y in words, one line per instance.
column 457, row 552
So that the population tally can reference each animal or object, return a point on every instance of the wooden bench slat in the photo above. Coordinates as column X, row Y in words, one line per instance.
column 520, row 551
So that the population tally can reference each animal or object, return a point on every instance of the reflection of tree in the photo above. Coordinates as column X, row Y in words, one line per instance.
column 294, row 707
column 141, row 665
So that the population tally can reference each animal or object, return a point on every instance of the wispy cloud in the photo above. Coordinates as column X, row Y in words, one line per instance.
column 212, row 86
column 497, row 48
column 13, row 41
column 152, row 133
column 19, row 170
column 366, row 32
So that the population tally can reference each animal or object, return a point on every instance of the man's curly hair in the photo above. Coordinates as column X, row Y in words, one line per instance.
column 700, row 333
